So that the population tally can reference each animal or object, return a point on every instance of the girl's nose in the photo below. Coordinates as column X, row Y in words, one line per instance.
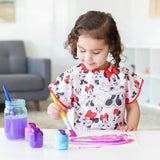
column 88, row 57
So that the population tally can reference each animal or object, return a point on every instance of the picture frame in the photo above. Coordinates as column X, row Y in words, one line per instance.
column 7, row 10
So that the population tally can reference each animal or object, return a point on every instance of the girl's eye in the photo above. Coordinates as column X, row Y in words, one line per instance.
column 96, row 52
column 82, row 51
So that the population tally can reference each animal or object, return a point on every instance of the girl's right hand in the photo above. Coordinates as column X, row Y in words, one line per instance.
column 54, row 111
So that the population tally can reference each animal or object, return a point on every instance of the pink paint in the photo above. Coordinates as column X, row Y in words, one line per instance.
column 28, row 129
column 72, row 133
column 99, row 141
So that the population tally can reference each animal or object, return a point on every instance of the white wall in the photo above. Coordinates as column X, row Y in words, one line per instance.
column 146, row 30
column 44, row 26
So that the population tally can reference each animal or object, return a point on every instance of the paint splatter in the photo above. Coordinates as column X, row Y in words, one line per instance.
column 100, row 141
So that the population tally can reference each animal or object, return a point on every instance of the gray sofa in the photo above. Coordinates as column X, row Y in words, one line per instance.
column 23, row 77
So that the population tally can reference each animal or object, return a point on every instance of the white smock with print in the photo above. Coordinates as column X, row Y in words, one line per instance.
column 98, row 96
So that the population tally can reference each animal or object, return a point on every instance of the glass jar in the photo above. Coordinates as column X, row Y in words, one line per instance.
column 15, row 124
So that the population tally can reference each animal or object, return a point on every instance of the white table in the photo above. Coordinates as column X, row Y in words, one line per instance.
column 146, row 147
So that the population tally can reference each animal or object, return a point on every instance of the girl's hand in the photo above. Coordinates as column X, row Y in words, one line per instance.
column 54, row 111
column 133, row 116
column 126, row 128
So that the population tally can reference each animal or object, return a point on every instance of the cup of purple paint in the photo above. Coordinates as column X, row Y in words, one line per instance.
column 36, row 138
column 15, row 124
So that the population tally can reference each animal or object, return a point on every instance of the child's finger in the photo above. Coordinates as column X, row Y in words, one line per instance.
column 61, row 108
column 52, row 107
column 54, row 111
column 124, row 128
column 64, row 109
column 129, row 129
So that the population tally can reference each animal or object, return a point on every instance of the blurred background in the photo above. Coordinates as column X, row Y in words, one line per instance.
column 44, row 26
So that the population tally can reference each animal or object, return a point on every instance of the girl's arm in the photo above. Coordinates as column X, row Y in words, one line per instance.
column 133, row 116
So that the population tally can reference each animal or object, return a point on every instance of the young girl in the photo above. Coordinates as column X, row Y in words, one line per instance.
column 98, row 90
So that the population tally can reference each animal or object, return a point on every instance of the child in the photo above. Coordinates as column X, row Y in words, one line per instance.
column 99, row 90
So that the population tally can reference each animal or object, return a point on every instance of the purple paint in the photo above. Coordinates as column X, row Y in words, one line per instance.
column 15, row 127
column 36, row 138
column 72, row 133
column 85, row 147
column 62, row 131
column 100, row 141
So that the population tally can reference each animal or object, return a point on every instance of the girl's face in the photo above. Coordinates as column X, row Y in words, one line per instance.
column 92, row 52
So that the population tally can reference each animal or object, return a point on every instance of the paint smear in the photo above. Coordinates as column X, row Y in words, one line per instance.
column 100, row 141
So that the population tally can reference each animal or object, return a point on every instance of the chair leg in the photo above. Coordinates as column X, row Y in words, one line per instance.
column 36, row 103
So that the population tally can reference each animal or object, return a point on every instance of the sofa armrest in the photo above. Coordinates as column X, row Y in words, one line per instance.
column 41, row 67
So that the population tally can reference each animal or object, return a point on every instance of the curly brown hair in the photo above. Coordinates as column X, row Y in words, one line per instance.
column 99, row 25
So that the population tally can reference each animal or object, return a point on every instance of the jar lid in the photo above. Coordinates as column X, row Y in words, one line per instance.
column 36, row 131
column 31, row 125
column 15, row 102
column 62, row 131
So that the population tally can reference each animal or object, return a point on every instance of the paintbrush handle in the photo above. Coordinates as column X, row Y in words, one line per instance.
column 63, row 115
column 9, row 100
column 6, row 93
column 55, row 101
column 67, row 123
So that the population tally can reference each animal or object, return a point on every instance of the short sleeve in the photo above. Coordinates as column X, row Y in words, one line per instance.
column 133, row 86
column 62, row 89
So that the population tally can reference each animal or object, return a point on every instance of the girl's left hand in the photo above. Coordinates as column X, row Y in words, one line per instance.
column 126, row 128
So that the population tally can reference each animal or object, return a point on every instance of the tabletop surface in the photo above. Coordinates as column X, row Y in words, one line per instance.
column 146, row 145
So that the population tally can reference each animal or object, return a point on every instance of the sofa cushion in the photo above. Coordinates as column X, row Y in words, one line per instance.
column 4, row 61
column 21, row 82
column 12, row 57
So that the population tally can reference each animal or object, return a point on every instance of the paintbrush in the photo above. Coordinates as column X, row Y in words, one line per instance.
column 63, row 115
column 9, row 100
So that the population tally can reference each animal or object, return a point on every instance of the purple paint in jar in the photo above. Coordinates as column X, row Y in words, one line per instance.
column 15, row 125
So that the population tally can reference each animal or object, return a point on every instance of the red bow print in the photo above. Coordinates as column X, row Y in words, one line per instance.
column 136, row 82
column 90, row 114
column 90, row 87
column 75, row 99
column 66, row 79
column 126, row 68
column 116, row 111
column 84, row 68
column 105, row 116
column 113, row 71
